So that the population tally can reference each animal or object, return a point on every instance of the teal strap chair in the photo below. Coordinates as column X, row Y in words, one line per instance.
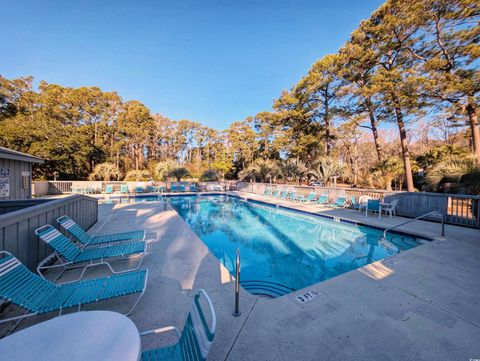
column 195, row 340
column 37, row 295
column 193, row 188
column 174, row 188
column 267, row 192
column 70, row 256
column 124, row 188
column 138, row 189
column 109, row 189
column 284, row 194
column 308, row 199
column 182, row 188
column 152, row 189
column 292, row 196
column 276, row 193
column 340, row 202
column 373, row 205
column 354, row 203
column 83, row 237
column 323, row 199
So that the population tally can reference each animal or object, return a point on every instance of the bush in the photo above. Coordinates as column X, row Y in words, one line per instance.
column 105, row 172
column 210, row 175
column 140, row 175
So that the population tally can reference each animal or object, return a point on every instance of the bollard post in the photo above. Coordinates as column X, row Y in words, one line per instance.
column 237, row 312
column 443, row 225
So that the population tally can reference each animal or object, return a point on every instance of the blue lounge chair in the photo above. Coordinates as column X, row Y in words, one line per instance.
column 124, row 188
column 283, row 195
column 323, row 199
column 71, row 256
column 83, row 237
column 152, row 189
column 275, row 193
column 373, row 205
column 138, row 189
column 37, row 295
column 193, row 188
column 195, row 340
column 267, row 192
column 340, row 202
column 182, row 188
column 109, row 189
column 292, row 196
column 174, row 188
column 308, row 199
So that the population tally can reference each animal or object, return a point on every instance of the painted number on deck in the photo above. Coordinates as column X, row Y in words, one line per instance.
column 307, row 296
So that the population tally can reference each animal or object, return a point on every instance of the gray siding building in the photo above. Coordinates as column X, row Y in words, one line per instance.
column 16, row 174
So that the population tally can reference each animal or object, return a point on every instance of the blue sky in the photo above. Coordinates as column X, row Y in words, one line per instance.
column 213, row 62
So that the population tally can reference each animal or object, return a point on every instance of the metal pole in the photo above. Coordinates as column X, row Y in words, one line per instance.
column 237, row 312
column 443, row 225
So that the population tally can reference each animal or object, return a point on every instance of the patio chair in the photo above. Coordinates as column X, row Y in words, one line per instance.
column 138, row 189
column 354, row 203
column 308, row 199
column 267, row 192
column 373, row 205
column 37, row 295
column 284, row 194
column 323, row 199
column 152, row 189
column 362, row 201
column 71, row 256
column 390, row 207
column 275, row 193
column 83, row 237
column 340, row 202
column 109, row 189
column 174, row 188
column 193, row 188
column 292, row 196
column 124, row 188
column 182, row 188
column 195, row 340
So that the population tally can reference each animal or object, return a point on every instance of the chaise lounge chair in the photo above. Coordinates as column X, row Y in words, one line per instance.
column 174, row 188
column 340, row 202
column 323, row 199
column 182, row 188
column 193, row 188
column 267, row 192
column 37, row 295
column 195, row 340
column 109, row 189
column 71, row 256
column 83, row 237
column 309, row 198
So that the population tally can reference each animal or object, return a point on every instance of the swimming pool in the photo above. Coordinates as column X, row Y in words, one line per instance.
column 283, row 250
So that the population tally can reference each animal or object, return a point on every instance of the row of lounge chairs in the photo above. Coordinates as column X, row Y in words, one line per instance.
column 364, row 203
column 37, row 295
column 310, row 198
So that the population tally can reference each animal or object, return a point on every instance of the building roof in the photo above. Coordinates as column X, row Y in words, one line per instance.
column 6, row 153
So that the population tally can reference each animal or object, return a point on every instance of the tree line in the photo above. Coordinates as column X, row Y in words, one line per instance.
column 412, row 66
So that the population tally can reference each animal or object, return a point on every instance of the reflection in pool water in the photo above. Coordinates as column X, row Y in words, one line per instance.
column 283, row 250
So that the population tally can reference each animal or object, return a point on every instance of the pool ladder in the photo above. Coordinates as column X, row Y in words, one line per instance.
column 429, row 214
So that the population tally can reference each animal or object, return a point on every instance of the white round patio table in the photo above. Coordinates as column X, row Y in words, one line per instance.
column 80, row 336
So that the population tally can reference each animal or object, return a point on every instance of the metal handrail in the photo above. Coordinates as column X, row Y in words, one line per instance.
column 237, row 312
column 434, row 213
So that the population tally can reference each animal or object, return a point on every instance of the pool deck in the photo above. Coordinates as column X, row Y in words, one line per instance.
column 423, row 304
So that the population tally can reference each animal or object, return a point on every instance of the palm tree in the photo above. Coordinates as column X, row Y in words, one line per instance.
column 161, row 169
column 262, row 169
column 178, row 173
column 386, row 171
column 105, row 172
column 292, row 170
column 325, row 168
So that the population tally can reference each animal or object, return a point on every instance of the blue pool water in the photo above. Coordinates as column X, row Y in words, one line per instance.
column 283, row 250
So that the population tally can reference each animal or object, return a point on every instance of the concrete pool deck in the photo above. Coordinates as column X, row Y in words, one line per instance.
column 423, row 304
